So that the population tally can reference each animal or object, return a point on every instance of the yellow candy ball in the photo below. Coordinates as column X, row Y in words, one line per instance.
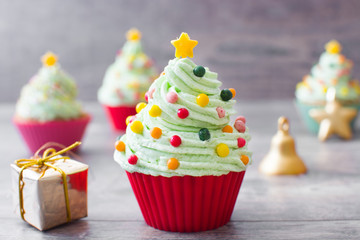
column 137, row 127
column 127, row 121
column 222, row 150
column 202, row 100
column 155, row 111
column 140, row 106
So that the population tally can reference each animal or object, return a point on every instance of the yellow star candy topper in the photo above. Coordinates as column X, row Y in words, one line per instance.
column 49, row 59
column 184, row 46
column 333, row 47
column 133, row 35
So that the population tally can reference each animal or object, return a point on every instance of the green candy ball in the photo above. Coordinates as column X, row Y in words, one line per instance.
column 199, row 71
column 226, row 95
column 204, row 134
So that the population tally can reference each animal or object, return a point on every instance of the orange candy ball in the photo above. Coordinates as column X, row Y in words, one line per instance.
column 120, row 146
column 244, row 159
column 232, row 90
column 228, row 129
column 173, row 163
column 156, row 132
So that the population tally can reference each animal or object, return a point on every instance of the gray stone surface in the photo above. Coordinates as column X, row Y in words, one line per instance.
column 261, row 47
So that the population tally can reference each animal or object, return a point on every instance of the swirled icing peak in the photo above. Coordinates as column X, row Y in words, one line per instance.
column 129, row 77
column 49, row 95
column 332, row 70
column 185, row 129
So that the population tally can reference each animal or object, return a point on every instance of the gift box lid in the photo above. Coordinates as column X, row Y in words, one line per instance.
column 69, row 166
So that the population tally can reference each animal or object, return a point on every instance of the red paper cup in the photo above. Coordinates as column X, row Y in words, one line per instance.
column 65, row 132
column 117, row 116
column 186, row 204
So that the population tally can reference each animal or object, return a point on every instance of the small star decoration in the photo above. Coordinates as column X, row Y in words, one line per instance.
column 49, row 59
column 184, row 46
column 133, row 35
column 333, row 47
column 334, row 119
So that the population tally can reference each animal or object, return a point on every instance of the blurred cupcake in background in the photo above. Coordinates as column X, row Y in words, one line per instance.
column 47, row 110
column 332, row 71
column 126, row 81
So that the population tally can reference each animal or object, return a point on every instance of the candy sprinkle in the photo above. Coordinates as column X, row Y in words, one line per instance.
column 129, row 119
column 172, row 97
column 244, row 159
column 242, row 118
column 183, row 113
column 227, row 129
column 132, row 159
column 241, row 142
column 175, row 141
column 137, row 127
column 202, row 100
column 204, row 134
column 173, row 163
column 233, row 91
column 222, row 150
column 120, row 146
column 140, row 106
column 155, row 111
column 226, row 95
column 221, row 112
column 156, row 132
column 199, row 71
column 240, row 126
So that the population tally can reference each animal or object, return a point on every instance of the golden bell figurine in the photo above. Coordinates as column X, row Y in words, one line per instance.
column 282, row 158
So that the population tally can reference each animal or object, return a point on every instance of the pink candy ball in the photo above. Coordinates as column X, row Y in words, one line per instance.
column 242, row 118
column 172, row 97
column 221, row 112
column 240, row 126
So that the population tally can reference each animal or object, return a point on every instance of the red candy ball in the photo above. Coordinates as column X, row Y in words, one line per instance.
column 240, row 126
column 183, row 113
column 133, row 159
column 175, row 141
column 241, row 142
column 241, row 118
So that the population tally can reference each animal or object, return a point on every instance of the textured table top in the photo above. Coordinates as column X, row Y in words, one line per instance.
column 322, row 204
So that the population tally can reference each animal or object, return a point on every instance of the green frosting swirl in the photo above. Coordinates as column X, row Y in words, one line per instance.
column 49, row 95
column 196, row 157
column 128, row 78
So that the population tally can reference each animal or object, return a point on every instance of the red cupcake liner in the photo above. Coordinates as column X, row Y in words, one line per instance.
column 186, row 204
column 117, row 116
column 36, row 134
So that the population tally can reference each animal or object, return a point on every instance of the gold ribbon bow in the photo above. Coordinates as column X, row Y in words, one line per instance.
column 41, row 164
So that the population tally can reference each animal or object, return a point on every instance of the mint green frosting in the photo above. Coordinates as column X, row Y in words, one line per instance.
column 196, row 157
column 49, row 95
column 332, row 70
column 128, row 78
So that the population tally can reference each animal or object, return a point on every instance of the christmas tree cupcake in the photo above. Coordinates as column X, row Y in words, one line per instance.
column 184, row 159
column 126, row 81
column 47, row 110
column 332, row 71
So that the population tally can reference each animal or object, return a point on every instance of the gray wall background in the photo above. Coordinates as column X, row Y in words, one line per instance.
column 260, row 47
